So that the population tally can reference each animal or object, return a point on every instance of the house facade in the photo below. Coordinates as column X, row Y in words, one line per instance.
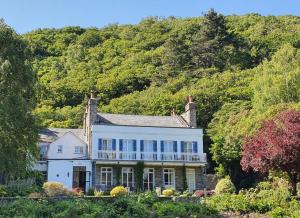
column 135, row 151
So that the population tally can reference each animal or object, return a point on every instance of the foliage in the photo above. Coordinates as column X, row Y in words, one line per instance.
column 3, row 190
column 276, row 146
column 35, row 195
column 22, row 187
column 170, row 209
column 53, row 189
column 184, row 182
column 225, row 186
column 148, row 198
column 18, row 135
column 139, row 176
column 118, row 191
column 168, row 192
column 98, row 193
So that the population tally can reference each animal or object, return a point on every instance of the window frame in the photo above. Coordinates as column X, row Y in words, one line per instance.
column 147, row 173
column 108, row 144
column 81, row 148
column 127, row 171
column 106, row 171
column 59, row 149
column 188, row 147
column 170, row 172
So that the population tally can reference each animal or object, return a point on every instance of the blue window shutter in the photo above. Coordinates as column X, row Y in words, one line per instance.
column 162, row 146
column 154, row 145
column 182, row 146
column 174, row 146
column 142, row 145
column 99, row 144
column 114, row 144
column 134, row 145
column 121, row 145
column 195, row 147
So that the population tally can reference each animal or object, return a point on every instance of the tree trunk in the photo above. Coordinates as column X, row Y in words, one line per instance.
column 294, row 180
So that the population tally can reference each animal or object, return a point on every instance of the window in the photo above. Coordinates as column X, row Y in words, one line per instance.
column 148, row 179
column 105, row 144
column 128, row 177
column 106, row 176
column 59, row 148
column 78, row 149
column 43, row 151
column 168, row 146
column 169, row 178
column 127, row 145
column 149, row 146
column 188, row 147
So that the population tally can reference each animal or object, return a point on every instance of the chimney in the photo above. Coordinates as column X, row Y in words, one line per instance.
column 90, row 115
column 190, row 112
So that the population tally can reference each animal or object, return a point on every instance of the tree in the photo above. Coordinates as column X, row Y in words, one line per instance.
column 209, row 42
column 275, row 146
column 18, row 132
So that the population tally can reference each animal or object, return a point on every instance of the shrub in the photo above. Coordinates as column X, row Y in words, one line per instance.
column 35, row 195
column 179, row 209
column 199, row 193
column 148, row 198
column 90, row 192
column 118, row 191
column 54, row 189
column 76, row 192
column 22, row 187
column 168, row 192
column 225, row 186
column 98, row 193
column 3, row 191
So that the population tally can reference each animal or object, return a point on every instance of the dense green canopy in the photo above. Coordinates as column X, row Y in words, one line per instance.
column 18, row 132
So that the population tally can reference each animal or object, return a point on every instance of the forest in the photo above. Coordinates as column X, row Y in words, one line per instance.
column 240, row 71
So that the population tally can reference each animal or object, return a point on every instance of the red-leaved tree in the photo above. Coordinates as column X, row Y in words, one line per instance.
column 275, row 146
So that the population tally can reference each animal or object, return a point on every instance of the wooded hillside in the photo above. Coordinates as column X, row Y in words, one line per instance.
column 239, row 69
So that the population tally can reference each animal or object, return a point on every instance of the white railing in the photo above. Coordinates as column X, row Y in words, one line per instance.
column 151, row 156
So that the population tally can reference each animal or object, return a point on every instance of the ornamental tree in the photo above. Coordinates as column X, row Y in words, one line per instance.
column 275, row 146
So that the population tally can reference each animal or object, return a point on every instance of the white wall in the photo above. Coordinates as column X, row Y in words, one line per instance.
column 62, row 171
column 145, row 133
column 68, row 142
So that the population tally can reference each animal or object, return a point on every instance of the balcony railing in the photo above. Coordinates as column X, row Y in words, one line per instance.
column 151, row 156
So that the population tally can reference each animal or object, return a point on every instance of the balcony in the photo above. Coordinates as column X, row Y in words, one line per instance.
column 151, row 156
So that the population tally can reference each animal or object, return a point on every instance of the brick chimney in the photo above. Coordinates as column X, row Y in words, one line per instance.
column 190, row 115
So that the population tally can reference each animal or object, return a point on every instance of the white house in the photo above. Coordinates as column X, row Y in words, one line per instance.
column 111, row 149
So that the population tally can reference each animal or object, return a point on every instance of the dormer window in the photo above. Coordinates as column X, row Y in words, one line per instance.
column 59, row 148
column 78, row 149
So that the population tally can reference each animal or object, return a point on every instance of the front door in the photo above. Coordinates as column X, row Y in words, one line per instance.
column 79, row 177
column 191, row 179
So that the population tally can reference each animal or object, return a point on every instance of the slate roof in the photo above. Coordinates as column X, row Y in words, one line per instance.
column 140, row 120
column 51, row 134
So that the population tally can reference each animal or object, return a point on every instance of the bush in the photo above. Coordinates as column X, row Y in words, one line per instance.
column 176, row 209
column 53, row 189
column 22, row 187
column 118, row 191
column 148, row 198
column 3, row 191
column 76, row 192
column 168, row 192
column 98, row 193
column 35, row 195
column 90, row 192
column 225, row 186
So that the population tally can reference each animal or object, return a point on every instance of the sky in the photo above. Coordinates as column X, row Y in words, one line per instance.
column 27, row 15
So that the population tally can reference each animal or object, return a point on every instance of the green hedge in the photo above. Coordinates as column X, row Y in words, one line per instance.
column 120, row 207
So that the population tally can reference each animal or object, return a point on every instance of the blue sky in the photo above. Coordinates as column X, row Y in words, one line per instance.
column 27, row 15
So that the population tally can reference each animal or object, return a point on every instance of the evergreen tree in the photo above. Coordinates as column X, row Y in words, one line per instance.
column 208, row 44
